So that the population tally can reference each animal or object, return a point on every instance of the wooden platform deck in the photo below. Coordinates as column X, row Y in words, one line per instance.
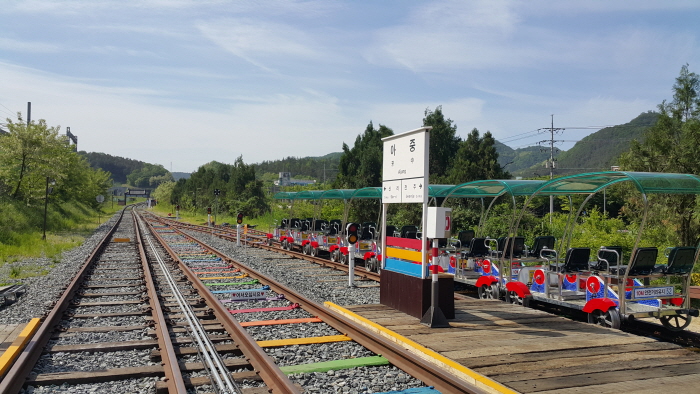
column 531, row 351
column 8, row 333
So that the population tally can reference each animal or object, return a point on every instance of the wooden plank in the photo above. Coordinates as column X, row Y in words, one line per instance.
column 109, row 303
column 190, row 350
column 536, row 385
column 86, row 295
column 593, row 364
column 104, row 346
column 533, row 357
column 99, row 329
column 642, row 386
column 496, row 346
column 58, row 378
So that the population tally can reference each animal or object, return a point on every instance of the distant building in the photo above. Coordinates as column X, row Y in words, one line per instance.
column 285, row 179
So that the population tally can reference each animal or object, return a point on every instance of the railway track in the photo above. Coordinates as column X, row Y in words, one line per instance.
column 130, row 321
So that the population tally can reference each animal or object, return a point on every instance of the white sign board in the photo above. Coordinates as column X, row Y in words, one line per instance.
column 405, row 167
column 100, row 198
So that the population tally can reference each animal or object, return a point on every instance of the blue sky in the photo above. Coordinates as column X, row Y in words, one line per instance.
column 184, row 82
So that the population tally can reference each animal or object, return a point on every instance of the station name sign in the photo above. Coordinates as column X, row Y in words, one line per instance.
column 405, row 167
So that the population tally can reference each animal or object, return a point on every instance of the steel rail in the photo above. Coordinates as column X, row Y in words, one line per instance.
column 218, row 372
column 174, row 380
column 276, row 381
column 428, row 373
column 15, row 378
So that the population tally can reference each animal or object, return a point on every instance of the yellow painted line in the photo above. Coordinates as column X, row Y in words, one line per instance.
column 304, row 341
column 12, row 352
column 224, row 277
column 403, row 254
column 457, row 369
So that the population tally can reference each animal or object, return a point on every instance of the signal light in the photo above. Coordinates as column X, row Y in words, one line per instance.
column 239, row 219
column 177, row 207
column 209, row 210
column 352, row 229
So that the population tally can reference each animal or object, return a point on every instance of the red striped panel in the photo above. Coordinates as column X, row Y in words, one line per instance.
column 407, row 243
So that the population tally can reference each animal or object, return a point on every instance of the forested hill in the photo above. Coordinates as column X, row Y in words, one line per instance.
column 595, row 152
column 320, row 168
column 119, row 167
column 600, row 150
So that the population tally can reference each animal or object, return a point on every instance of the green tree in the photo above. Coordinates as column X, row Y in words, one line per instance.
column 673, row 145
column 476, row 159
column 444, row 144
column 142, row 176
column 361, row 165
column 28, row 155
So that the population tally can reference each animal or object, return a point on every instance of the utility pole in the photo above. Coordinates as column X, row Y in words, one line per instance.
column 29, row 113
column 550, row 163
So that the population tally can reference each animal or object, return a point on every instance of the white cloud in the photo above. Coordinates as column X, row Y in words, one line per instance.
column 9, row 44
column 258, row 41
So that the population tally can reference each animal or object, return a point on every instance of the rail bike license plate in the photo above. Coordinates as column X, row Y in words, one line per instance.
column 653, row 292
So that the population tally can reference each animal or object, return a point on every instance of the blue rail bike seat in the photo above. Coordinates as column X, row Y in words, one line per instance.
column 576, row 260
column 506, row 244
column 680, row 260
column 643, row 262
column 405, row 230
column 320, row 225
column 306, row 224
column 608, row 258
column 368, row 230
column 465, row 238
column 334, row 227
column 478, row 248
column 541, row 242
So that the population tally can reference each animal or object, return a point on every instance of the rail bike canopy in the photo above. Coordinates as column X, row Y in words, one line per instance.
column 490, row 188
column 645, row 182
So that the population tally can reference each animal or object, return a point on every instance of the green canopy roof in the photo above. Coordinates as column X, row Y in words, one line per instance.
column 645, row 182
column 491, row 188
column 284, row 195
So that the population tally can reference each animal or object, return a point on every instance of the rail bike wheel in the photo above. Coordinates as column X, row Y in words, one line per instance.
column 305, row 249
column 283, row 244
column 515, row 299
column 488, row 292
column 609, row 319
column 269, row 242
column 676, row 322
column 372, row 264
column 334, row 256
column 343, row 259
column 313, row 252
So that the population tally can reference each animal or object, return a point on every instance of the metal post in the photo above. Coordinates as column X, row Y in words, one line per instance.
column 434, row 318
column 351, row 265
column 46, row 205
column 238, row 235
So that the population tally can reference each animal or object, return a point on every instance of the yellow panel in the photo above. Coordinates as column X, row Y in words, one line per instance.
column 304, row 341
column 11, row 354
column 403, row 254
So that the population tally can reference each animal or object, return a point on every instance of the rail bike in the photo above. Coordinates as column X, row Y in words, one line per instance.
column 603, row 281
column 316, row 236
column 490, row 263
